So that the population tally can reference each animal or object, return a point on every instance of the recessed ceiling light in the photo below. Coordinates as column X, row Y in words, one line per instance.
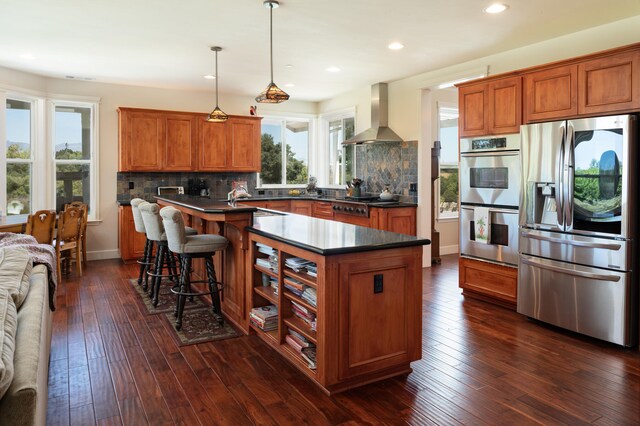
column 395, row 46
column 288, row 66
column 210, row 77
column 333, row 69
column 289, row 85
column 496, row 8
column 27, row 56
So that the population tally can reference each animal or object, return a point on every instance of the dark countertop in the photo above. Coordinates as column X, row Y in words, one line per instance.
column 290, row 197
column 327, row 237
column 205, row 205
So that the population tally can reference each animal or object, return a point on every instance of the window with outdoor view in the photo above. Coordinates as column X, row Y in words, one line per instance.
column 285, row 151
column 448, row 135
column 73, row 153
column 19, row 156
column 341, row 158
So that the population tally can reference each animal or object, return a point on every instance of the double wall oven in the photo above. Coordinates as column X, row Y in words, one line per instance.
column 490, row 178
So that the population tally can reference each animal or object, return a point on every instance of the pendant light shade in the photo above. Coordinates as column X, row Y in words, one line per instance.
column 217, row 115
column 272, row 94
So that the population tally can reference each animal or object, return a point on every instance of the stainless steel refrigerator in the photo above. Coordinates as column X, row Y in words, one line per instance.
column 577, row 258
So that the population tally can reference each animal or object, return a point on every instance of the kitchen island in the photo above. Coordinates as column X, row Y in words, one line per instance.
column 364, row 317
column 209, row 216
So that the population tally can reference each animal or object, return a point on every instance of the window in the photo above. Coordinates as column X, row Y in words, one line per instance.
column 341, row 158
column 448, row 136
column 19, row 155
column 73, row 154
column 285, row 151
column 42, row 171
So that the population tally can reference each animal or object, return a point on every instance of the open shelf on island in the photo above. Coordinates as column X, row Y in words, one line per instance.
column 272, row 334
column 301, row 327
column 299, row 300
column 268, row 293
column 267, row 271
column 298, row 359
column 302, row 277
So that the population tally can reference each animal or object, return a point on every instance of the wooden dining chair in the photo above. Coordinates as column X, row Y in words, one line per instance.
column 42, row 225
column 83, row 227
column 68, row 238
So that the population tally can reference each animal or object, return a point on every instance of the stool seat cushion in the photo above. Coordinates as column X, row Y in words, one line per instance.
column 205, row 243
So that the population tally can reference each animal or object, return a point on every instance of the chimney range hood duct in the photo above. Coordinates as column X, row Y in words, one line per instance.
column 379, row 131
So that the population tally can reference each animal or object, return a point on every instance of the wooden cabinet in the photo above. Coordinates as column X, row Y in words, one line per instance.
column 609, row 84
column 398, row 219
column 367, row 314
column 551, row 94
column 156, row 140
column 302, row 207
column 131, row 242
column 491, row 108
column 322, row 209
column 230, row 146
column 488, row 281
column 280, row 205
column 354, row 220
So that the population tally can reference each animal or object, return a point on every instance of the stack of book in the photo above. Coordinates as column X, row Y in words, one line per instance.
column 304, row 347
column 299, row 264
column 273, row 282
column 310, row 296
column 265, row 317
column 269, row 263
column 294, row 286
column 304, row 314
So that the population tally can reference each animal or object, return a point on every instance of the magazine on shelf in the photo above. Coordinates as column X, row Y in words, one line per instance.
column 265, row 312
column 309, row 355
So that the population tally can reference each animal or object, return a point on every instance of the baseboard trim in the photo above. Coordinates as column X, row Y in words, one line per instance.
column 103, row 254
column 449, row 249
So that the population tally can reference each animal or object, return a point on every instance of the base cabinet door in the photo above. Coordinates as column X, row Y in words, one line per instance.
column 131, row 242
column 401, row 220
column 370, row 338
column 488, row 281
column 302, row 207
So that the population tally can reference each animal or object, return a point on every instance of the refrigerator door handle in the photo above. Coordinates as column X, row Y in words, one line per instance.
column 588, row 244
column 581, row 274
column 559, row 193
column 569, row 152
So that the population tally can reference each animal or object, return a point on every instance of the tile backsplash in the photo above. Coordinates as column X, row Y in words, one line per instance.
column 393, row 164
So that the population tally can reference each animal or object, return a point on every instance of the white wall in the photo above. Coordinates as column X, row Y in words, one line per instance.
column 102, row 241
column 410, row 118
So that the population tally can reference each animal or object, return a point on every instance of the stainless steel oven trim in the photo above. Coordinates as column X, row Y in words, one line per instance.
column 496, row 196
column 175, row 190
column 499, row 254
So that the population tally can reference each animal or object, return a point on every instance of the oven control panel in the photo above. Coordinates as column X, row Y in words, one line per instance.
column 353, row 209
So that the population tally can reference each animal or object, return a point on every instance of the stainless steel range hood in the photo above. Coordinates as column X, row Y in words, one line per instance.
column 379, row 131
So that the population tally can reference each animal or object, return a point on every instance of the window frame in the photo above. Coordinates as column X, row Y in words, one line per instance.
column 447, row 216
column 324, row 155
column 311, row 148
column 94, row 188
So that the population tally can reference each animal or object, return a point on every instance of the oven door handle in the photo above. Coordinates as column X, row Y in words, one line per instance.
column 492, row 210
column 576, row 243
column 490, row 154
column 581, row 274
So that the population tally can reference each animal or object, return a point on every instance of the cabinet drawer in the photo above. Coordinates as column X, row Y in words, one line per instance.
column 322, row 209
column 489, row 281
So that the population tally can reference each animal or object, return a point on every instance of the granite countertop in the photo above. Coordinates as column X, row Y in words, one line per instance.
column 327, row 237
column 206, row 205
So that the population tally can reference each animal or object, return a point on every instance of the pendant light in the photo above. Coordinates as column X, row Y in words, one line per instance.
column 272, row 94
column 217, row 115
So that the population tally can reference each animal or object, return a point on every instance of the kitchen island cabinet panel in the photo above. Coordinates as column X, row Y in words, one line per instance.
column 609, row 84
column 551, row 94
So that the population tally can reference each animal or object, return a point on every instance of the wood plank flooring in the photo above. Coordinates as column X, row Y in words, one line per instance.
column 481, row 364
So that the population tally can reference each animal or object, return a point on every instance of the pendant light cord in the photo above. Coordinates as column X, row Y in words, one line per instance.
column 216, row 79
column 271, row 37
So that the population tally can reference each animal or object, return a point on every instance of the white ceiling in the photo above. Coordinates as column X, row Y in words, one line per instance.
column 166, row 43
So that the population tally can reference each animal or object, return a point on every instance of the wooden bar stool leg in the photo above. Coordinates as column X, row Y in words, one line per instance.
column 157, row 270
column 155, row 292
column 185, row 285
column 143, row 261
column 147, row 266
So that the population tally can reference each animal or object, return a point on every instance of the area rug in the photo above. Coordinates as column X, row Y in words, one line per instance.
column 166, row 299
column 200, row 325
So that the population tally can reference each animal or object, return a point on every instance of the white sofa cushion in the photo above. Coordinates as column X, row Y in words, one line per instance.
column 15, row 271
column 8, row 326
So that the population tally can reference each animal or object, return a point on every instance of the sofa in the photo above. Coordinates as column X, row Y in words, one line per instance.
column 25, row 307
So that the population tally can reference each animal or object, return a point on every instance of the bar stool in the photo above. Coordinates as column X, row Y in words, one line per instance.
column 147, row 259
column 164, row 258
column 187, row 248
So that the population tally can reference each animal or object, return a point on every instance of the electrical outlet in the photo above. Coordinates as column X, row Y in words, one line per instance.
column 413, row 187
column 131, row 185
column 377, row 283
column 260, row 191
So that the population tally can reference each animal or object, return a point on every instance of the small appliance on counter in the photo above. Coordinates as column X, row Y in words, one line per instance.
column 170, row 190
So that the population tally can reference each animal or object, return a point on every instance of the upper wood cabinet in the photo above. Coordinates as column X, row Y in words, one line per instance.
column 491, row 108
column 153, row 140
column 609, row 84
column 551, row 94
column 230, row 146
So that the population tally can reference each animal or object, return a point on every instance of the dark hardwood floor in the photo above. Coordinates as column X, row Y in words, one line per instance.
column 481, row 364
